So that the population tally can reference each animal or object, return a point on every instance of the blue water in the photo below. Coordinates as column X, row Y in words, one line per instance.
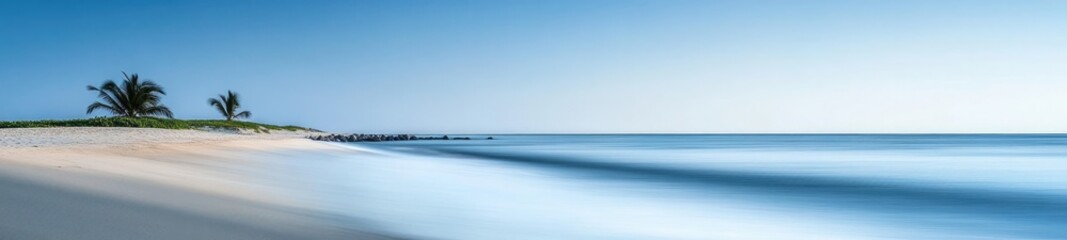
column 703, row 187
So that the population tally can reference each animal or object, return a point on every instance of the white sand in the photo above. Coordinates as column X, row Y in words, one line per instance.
column 82, row 137
column 125, row 183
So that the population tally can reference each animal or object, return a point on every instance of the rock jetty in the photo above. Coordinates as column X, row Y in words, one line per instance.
column 379, row 138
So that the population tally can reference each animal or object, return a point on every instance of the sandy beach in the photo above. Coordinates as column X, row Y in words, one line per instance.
column 127, row 183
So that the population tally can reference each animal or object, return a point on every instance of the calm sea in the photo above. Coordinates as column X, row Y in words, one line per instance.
column 702, row 187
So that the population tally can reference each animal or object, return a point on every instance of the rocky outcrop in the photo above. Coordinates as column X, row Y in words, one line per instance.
column 379, row 138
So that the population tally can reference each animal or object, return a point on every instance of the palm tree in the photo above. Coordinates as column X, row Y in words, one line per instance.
column 228, row 105
column 134, row 98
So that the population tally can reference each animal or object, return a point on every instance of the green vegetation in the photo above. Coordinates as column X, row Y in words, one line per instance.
column 136, row 104
column 228, row 105
column 134, row 98
column 150, row 122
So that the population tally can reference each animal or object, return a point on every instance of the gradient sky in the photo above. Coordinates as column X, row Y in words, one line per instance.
column 556, row 66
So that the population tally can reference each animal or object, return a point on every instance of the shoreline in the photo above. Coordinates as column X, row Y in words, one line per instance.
column 133, row 183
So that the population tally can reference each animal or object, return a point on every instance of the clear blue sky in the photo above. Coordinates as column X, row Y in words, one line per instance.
column 557, row 66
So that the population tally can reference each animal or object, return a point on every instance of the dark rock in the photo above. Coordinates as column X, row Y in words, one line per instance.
column 364, row 137
column 380, row 138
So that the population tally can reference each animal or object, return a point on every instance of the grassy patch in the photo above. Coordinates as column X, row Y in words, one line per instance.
column 148, row 122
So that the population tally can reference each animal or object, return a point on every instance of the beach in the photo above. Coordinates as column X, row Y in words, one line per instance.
column 132, row 183
column 122, row 183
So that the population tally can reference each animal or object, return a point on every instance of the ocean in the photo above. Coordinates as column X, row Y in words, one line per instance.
column 691, row 186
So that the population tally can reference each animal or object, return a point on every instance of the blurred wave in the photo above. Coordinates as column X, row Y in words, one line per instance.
column 706, row 186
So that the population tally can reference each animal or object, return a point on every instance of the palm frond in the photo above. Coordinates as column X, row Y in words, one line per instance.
column 158, row 110
column 227, row 105
column 217, row 103
column 133, row 98
column 97, row 105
